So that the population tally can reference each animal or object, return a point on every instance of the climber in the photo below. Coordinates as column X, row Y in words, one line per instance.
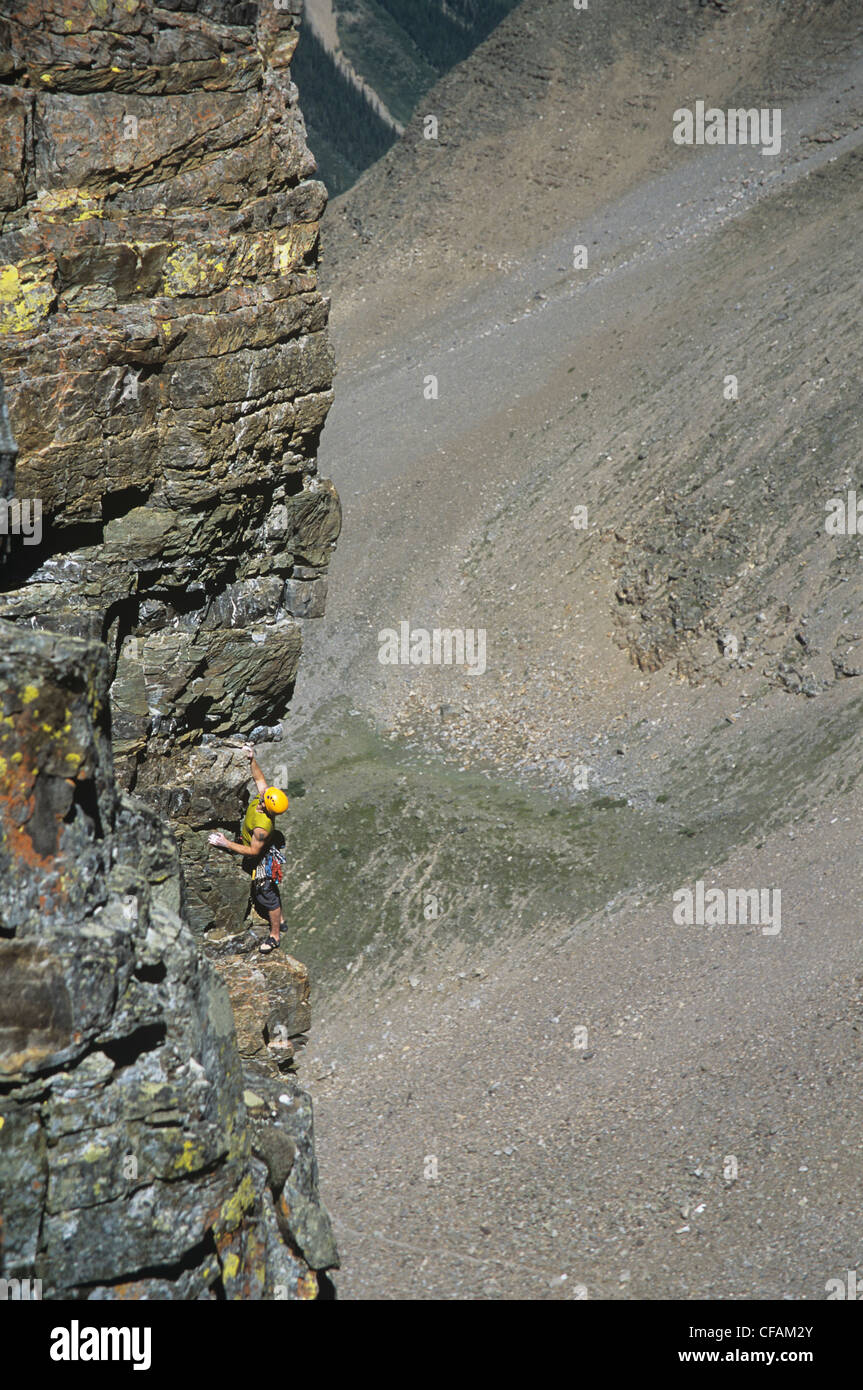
column 257, row 834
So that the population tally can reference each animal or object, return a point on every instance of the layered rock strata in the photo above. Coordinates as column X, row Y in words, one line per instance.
column 168, row 373
column 136, row 1161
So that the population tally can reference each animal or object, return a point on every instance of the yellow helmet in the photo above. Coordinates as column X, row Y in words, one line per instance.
column 275, row 801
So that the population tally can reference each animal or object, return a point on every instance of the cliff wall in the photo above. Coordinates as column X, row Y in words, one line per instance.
column 164, row 536
column 136, row 1159
column 168, row 373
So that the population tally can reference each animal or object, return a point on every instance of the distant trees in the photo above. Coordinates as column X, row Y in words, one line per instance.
column 407, row 43
column 446, row 33
column 336, row 111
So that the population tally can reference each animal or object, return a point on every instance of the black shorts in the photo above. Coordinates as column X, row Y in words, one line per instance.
column 265, row 894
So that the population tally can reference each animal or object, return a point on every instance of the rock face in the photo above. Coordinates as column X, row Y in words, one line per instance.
column 168, row 373
column 129, row 1166
column 8, row 455
column 8, row 449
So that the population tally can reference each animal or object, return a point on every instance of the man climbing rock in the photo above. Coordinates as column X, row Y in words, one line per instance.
column 257, row 835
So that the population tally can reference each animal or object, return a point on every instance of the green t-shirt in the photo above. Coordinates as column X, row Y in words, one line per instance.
column 255, row 820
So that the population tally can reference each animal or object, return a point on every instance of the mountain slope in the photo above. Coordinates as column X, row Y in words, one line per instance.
column 694, row 647
column 554, row 115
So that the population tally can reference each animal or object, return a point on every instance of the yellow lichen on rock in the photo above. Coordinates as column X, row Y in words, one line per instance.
column 293, row 244
column 53, row 203
column 94, row 1152
column 208, row 267
column 190, row 1159
column 241, row 1201
column 26, row 293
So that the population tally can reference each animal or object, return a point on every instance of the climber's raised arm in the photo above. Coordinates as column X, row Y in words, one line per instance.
column 257, row 775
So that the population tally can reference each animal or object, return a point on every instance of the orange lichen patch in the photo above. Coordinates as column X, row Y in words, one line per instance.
column 256, row 1264
column 37, row 725
column 32, row 739
column 231, row 1247
column 17, row 804
column 223, row 1241
column 307, row 1285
